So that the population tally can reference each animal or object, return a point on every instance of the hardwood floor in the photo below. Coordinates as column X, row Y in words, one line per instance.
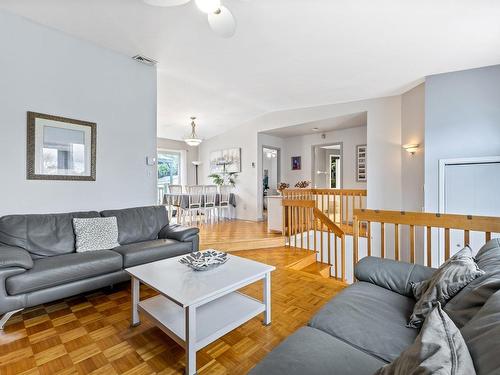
column 91, row 333
column 238, row 235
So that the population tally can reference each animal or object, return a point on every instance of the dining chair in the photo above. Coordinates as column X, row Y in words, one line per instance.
column 209, row 203
column 175, row 202
column 195, row 194
column 223, row 204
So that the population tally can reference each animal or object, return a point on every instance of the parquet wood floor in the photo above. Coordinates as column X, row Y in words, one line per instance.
column 238, row 235
column 91, row 333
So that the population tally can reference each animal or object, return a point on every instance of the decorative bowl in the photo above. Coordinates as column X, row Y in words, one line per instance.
column 204, row 260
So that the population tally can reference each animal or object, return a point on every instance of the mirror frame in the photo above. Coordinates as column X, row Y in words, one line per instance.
column 30, row 157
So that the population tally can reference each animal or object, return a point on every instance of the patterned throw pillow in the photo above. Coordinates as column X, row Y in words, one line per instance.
column 99, row 233
column 438, row 349
column 445, row 283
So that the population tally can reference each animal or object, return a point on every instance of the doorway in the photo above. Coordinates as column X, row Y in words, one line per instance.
column 271, row 171
column 171, row 167
column 335, row 172
column 326, row 171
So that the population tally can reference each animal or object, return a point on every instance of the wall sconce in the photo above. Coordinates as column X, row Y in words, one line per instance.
column 411, row 148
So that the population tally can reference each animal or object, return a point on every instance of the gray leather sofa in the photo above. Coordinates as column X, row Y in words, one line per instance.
column 364, row 327
column 38, row 262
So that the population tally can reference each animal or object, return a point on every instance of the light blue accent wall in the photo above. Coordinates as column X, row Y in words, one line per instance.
column 462, row 119
column 44, row 70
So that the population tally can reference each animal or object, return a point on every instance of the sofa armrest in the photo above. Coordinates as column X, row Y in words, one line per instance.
column 15, row 257
column 390, row 274
column 8, row 302
column 178, row 232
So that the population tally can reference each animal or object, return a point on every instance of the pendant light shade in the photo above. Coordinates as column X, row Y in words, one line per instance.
column 208, row 6
column 193, row 139
column 222, row 22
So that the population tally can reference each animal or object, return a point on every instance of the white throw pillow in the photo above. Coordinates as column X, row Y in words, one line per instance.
column 97, row 233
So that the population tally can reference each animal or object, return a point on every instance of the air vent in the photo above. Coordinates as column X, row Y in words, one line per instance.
column 145, row 60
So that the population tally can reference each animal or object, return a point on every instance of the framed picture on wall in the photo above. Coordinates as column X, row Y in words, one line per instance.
column 361, row 155
column 296, row 163
column 60, row 148
column 227, row 160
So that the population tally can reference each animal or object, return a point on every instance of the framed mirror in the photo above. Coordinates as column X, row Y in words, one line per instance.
column 60, row 148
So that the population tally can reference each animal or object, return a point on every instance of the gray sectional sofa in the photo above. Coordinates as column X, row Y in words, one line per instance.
column 38, row 262
column 364, row 327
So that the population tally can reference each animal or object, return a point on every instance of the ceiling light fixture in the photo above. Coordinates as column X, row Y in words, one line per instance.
column 193, row 139
column 220, row 19
column 271, row 154
column 208, row 6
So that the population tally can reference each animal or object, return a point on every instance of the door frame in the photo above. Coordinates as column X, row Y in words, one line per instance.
column 442, row 188
column 458, row 161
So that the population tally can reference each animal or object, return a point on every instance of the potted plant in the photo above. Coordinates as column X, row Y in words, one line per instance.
column 220, row 179
column 282, row 186
column 302, row 184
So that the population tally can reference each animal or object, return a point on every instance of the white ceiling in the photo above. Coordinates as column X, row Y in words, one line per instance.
column 322, row 126
column 285, row 54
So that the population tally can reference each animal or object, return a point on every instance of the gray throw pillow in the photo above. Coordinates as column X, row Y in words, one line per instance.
column 98, row 233
column 438, row 349
column 448, row 280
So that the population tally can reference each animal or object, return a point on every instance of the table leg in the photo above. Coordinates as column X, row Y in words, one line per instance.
column 267, row 298
column 135, row 301
column 190, row 321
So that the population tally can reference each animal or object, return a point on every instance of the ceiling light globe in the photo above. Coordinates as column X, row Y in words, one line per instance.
column 208, row 6
column 193, row 142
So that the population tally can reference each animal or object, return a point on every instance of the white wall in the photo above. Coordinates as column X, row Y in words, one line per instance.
column 43, row 70
column 191, row 155
column 412, row 169
column 412, row 132
column 302, row 146
column 383, row 139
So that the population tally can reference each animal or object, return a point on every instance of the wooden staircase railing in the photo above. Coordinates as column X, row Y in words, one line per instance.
column 429, row 226
column 301, row 218
column 337, row 204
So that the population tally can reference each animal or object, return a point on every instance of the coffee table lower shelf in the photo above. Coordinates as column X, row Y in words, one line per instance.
column 213, row 319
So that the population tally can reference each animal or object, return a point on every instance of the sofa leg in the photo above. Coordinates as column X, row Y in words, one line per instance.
column 6, row 317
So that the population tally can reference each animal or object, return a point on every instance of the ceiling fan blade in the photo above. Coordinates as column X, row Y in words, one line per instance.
column 166, row 3
column 222, row 23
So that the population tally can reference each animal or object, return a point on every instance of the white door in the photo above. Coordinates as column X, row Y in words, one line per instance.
column 470, row 187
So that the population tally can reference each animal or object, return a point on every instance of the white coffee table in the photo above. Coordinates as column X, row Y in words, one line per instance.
column 196, row 308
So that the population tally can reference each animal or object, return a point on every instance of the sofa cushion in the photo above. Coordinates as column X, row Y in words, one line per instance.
column 63, row 269
column 97, row 233
column 139, row 223
column 369, row 317
column 390, row 274
column 138, row 253
column 482, row 336
column 438, row 349
column 313, row 352
column 471, row 299
column 445, row 283
column 42, row 235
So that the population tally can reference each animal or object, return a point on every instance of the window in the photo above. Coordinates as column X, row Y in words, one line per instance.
column 169, row 168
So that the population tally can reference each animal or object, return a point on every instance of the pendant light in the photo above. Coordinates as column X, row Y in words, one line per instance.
column 193, row 139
